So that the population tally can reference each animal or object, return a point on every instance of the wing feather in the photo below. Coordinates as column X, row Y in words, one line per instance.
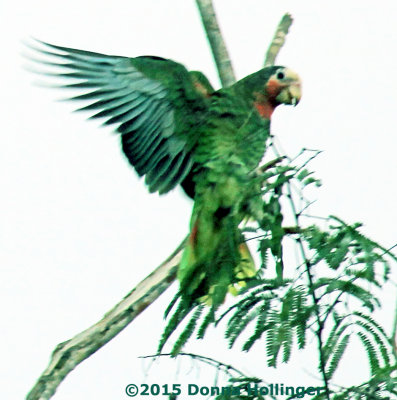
column 141, row 97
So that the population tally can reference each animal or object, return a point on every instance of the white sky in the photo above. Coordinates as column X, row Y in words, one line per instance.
column 78, row 229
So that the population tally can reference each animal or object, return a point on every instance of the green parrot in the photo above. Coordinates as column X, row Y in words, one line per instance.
column 177, row 130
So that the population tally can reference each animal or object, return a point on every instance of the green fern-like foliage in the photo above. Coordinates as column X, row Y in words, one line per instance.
column 383, row 385
column 329, row 294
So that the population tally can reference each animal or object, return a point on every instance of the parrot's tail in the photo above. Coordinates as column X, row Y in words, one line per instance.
column 216, row 261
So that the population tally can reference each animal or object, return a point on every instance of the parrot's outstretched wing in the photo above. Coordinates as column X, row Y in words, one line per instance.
column 155, row 103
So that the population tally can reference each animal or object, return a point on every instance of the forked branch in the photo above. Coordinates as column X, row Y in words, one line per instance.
column 69, row 354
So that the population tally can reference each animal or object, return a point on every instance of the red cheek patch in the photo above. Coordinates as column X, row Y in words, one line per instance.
column 273, row 88
column 266, row 105
column 265, row 109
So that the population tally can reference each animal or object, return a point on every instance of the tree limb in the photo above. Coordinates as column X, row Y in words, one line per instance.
column 69, row 354
column 278, row 39
column 218, row 46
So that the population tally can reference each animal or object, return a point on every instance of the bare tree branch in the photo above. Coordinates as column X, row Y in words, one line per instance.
column 218, row 46
column 278, row 39
column 69, row 354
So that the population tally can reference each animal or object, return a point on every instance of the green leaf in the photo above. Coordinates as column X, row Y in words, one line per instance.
column 303, row 174
column 187, row 332
column 337, row 355
column 373, row 358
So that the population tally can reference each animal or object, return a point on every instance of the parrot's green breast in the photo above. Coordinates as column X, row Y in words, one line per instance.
column 231, row 144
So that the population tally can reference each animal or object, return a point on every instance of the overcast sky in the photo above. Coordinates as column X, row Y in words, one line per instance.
column 78, row 228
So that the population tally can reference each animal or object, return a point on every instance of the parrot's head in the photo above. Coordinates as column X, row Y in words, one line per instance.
column 277, row 85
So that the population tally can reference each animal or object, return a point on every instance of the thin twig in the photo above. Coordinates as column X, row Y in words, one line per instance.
column 227, row 368
column 320, row 322
column 215, row 39
column 69, row 354
column 278, row 40
column 207, row 360
column 270, row 164
column 288, row 230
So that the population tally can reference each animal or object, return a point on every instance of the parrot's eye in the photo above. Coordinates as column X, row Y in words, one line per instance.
column 280, row 75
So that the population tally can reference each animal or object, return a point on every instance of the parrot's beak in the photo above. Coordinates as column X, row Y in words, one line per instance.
column 295, row 93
